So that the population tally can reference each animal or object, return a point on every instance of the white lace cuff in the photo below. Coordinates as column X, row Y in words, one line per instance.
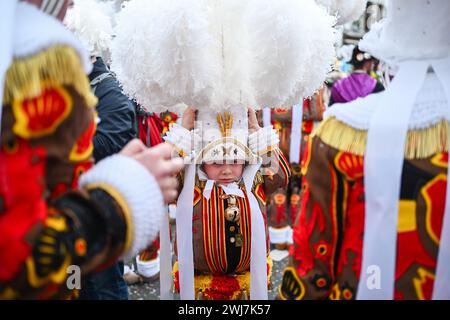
column 183, row 139
column 138, row 194
column 263, row 140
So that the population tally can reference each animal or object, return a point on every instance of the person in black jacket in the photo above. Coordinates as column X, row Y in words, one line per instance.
column 117, row 113
column 116, row 127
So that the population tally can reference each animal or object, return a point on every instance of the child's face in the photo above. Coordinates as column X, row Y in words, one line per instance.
column 222, row 172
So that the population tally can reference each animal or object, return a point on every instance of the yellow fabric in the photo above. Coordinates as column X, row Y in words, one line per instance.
column 203, row 282
column 26, row 77
column 407, row 216
column 420, row 144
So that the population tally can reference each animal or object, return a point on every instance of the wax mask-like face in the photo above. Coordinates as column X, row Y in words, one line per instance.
column 223, row 172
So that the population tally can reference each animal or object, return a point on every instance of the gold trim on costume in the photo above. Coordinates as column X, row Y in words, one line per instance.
column 28, row 111
column 299, row 291
column 225, row 123
column 407, row 220
column 420, row 143
column 423, row 277
column 57, row 277
column 24, row 77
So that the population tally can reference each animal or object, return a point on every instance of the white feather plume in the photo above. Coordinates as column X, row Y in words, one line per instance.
column 293, row 49
column 91, row 25
column 229, row 31
column 217, row 54
column 162, row 53
column 345, row 10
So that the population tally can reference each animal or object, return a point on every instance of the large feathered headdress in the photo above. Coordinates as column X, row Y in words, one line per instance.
column 91, row 24
column 221, row 56
column 218, row 54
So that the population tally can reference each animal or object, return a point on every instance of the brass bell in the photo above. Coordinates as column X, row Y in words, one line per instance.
column 232, row 212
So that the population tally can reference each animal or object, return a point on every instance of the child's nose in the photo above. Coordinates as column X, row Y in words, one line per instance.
column 226, row 169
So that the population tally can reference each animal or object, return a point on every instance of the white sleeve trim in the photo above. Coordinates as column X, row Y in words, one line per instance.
column 139, row 190
column 182, row 138
column 263, row 139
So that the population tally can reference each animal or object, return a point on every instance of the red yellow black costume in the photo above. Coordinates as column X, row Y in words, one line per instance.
column 50, row 218
column 328, row 238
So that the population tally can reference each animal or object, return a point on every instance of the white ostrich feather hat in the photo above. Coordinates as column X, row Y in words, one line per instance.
column 223, row 136
column 222, row 56
column 412, row 30
column 91, row 24
column 215, row 54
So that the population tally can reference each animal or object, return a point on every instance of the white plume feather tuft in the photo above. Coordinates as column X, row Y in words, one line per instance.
column 91, row 25
column 218, row 54
column 162, row 53
column 293, row 46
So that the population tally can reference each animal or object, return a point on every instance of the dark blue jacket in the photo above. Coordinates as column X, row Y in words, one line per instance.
column 116, row 112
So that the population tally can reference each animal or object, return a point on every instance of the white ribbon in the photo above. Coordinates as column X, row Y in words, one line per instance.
column 184, row 235
column 258, row 261
column 382, row 171
column 267, row 113
column 441, row 289
column 8, row 10
column 165, row 260
column 230, row 189
column 296, row 133
column 383, row 165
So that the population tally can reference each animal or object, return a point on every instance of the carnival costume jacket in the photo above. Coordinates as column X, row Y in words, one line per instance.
column 328, row 238
column 52, row 222
column 222, row 247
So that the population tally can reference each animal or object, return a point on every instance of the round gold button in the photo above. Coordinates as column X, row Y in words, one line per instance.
column 232, row 228
column 232, row 239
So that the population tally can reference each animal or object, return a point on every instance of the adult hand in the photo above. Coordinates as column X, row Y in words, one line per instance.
column 188, row 120
column 253, row 124
column 159, row 162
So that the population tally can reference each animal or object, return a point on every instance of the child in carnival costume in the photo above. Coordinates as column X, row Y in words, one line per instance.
column 216, row 57
column 222, row 213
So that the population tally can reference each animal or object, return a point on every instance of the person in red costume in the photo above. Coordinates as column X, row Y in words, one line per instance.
column 57, row 210
column 374, row 223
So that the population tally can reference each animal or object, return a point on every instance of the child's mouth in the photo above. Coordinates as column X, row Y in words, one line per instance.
column 226, row 180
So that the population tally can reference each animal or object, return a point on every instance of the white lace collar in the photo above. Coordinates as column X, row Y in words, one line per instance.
column 430, row 107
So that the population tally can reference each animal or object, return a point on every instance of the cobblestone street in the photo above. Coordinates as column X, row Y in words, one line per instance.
column 150, row 290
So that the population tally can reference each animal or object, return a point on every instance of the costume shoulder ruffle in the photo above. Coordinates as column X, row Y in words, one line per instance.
column 346, row 125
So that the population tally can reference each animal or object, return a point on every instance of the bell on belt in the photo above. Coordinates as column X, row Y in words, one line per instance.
column 232, row 212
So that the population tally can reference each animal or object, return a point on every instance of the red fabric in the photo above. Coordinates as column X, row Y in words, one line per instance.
column 302, row 250
column 222, row 288
column 22, row 193
column 45, row 111
column 152, row 124
column 352, row 241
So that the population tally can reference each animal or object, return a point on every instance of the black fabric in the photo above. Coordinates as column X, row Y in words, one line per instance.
column 378, row 88
column 97, row 219
column 116, row 112
column 85, row 221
